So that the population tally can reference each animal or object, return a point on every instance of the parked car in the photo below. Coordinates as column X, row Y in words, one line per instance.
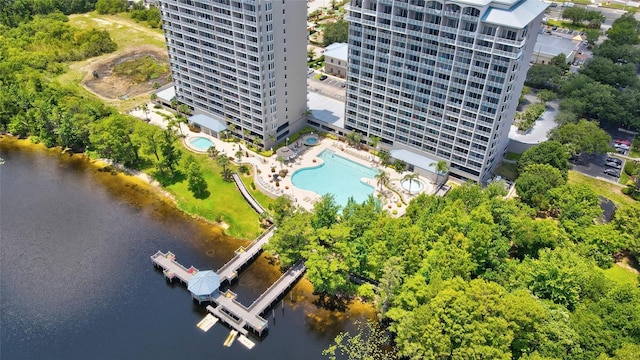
column 553, row 5
column 612, row 172
column 323, row 77
column 622, row 146
column 613, row 165
column 615, row 160
column 623, row 142
column 310, row 71
column 554, row 28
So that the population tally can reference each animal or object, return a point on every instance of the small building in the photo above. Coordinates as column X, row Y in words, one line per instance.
column 207, row 124
column 335, row 59
column 166, row 95
column 549, row 46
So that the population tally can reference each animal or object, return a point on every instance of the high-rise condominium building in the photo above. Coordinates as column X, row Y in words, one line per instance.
column 240, row 62
column 440, row 79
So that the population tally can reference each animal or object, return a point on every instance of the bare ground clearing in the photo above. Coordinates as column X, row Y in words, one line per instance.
column 110, row 86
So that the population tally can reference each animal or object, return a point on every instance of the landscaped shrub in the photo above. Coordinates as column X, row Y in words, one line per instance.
column 630, row 167
column 526, row 119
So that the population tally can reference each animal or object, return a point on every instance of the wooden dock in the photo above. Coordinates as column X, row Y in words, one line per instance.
column 171, row 268
column 227, row 308
column 229, row 271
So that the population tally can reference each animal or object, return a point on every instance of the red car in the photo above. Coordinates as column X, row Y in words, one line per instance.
column 623, row 142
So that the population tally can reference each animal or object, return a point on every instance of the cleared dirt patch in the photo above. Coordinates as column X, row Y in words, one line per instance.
column 104, row 82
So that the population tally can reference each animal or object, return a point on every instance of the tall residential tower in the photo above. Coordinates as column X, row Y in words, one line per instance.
column 440, row 80
column 240, row 63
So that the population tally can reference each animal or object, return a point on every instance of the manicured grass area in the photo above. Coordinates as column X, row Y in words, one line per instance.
column 566, row 25
column 263, row 199
column 601, row 187
column 224, row 203
column 634, row 154
column 623, row 178
column 507, row 170
column 621, row 275
column 513, row 156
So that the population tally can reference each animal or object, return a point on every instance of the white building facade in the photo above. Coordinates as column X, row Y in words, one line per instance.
column 240, row 62
column 440, row 79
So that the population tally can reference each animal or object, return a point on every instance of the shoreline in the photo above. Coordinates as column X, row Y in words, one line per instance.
column 126, row 175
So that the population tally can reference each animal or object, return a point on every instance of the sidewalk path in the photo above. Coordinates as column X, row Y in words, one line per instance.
column 265, row 167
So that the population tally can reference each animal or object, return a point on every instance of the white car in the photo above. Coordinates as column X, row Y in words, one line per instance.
column 310, row 71
column 622, row 146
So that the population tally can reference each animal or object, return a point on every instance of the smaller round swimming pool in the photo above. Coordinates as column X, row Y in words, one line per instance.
column 200, row 143
column 311, row 141
column 415, row 186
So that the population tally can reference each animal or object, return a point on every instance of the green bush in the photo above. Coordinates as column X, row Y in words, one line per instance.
column 630, row 167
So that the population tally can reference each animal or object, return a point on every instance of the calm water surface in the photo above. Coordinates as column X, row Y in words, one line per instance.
column 77, row 281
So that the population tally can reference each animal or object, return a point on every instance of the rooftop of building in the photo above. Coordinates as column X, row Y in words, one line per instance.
column 554, row 45
column 337, row 51
column 517, row 14
column 326, row 109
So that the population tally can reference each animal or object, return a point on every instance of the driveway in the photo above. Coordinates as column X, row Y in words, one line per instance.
column 594, row 165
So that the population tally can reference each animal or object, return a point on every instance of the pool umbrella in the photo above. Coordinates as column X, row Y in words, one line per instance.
column 204, row 283
column 285, row 152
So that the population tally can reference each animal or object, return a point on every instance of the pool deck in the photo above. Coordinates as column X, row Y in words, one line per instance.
column 305, row 156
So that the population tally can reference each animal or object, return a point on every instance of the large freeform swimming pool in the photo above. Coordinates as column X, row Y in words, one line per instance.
column 337, row 176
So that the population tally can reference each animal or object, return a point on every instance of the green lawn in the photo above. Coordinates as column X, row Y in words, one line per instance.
column 507, row 171
column 513, row 156
column 224, row 202
column 621, row 275
column 634, row 154
column 623, row 178
column 601, row 187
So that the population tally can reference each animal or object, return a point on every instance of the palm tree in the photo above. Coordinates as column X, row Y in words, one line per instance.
column 245, row 135
column 174, row 104
column 384, row 157
column 280, row 159
column 411, row 178
column 375, row 140
column 213, row 152
column 441, row 168
column 232, row 128
column 357, row 138
column 145, row 110
column 239, row 154
column 223, row 162
column 382, row 179
column 154, row 97
column 184, row 109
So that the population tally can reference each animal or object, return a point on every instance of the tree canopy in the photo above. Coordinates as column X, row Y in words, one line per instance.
column 337, row 32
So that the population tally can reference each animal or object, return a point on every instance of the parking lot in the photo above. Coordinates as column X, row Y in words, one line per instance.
column 332, row 86
column 595, row 165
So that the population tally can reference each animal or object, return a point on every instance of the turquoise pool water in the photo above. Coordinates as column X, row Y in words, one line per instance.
column 311, row 141
column 337, row 176
column 200, row 143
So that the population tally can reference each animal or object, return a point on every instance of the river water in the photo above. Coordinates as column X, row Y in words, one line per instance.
column 77, row 281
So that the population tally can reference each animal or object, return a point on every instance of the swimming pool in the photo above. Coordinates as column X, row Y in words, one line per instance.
column 200, row 143
column 337, row 176
column 311, row 141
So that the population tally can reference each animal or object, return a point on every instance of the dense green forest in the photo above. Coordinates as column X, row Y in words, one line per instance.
column 473, row 275
column 607, row 89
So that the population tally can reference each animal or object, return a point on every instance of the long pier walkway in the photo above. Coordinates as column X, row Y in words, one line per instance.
column 229, row 271
column 171, row 268
column 247, row 196
column 239, row 317
column 227, row 308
